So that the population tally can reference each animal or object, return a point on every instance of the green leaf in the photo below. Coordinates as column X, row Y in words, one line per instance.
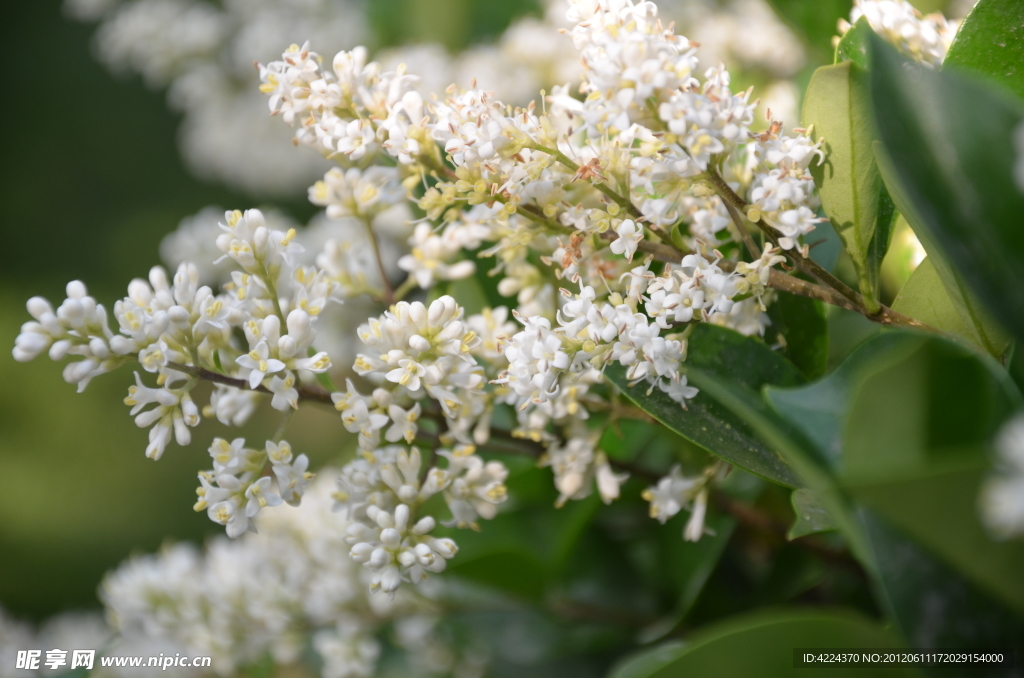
column 815, row 22
column 837, row 107
column 885, row 226
column 762, row 644
column 915, row 453
column 991, row 42
column 690, row 565
column 726, row 356
column 898, row 427
column 811, row 514
column 931, row 603
column 898, row 431
column 925, row 298
column 981, row 330
column 803, row 324
column 949, row 149
column 854, row 45
column 820, row 410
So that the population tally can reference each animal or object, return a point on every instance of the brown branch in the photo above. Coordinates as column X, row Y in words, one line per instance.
column 742, row 233
column 884, row 315
column 305, row 393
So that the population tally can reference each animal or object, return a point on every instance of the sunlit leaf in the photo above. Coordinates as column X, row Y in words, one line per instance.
column 991, row 42
column 836, row 106
column 854, row 45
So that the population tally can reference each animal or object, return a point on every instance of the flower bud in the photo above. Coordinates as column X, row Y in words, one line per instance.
column 37, row 307
column 76, row 289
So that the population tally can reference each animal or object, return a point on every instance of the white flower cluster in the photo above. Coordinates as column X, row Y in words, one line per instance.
column 1002, row 496
column 381, row 493
column 675, row 492
column 276, row 592
column 78, row 327
column 926, row 39
column 416, row 351
column 578, row 467
column 202, row 53
column 235, row 490
column 177, row 328
column 353, row 110
column 782, row 192
column 577, row 190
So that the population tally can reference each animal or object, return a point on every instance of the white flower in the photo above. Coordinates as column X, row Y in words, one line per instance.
column 695, row 529
column 292, row 479
column 78, row 327
column 259, row 496
column 926, row 39
column 174, row 413
column 1002, row 495
column 671, row 494
column 358, row 419
column 285, row 394
column 358, row 193
column 573, row 466
column 628, row 240
column 535, row 356
column 229, row 514
column 476, row 487
column 431, row 254
column 259, row 364
column 404, row 426
column 608, row 482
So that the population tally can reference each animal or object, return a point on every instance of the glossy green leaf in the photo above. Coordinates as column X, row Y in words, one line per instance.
column 991, row 42
column 836, row 106
column 811, row 514
column 885, row 226
column 820, row 410
column 925, row 298
column 803, row 325
column 762, row 644
column 727, row 356
column 898, row 432
column 815, row 22
column 948, row 142
column 901, row 427
column 915, row 453
column 810, row 422
column 854, row 45
column 931, row 603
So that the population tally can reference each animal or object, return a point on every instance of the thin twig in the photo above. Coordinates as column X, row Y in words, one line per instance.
column 741, row 231
column 305, row 393
column 616, row 197
column 389, row 292
column 805, row 264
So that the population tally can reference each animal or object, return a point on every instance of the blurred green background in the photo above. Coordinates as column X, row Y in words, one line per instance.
column 91, row 182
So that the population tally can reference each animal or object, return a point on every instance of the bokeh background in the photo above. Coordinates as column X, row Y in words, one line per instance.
column 92, row 179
